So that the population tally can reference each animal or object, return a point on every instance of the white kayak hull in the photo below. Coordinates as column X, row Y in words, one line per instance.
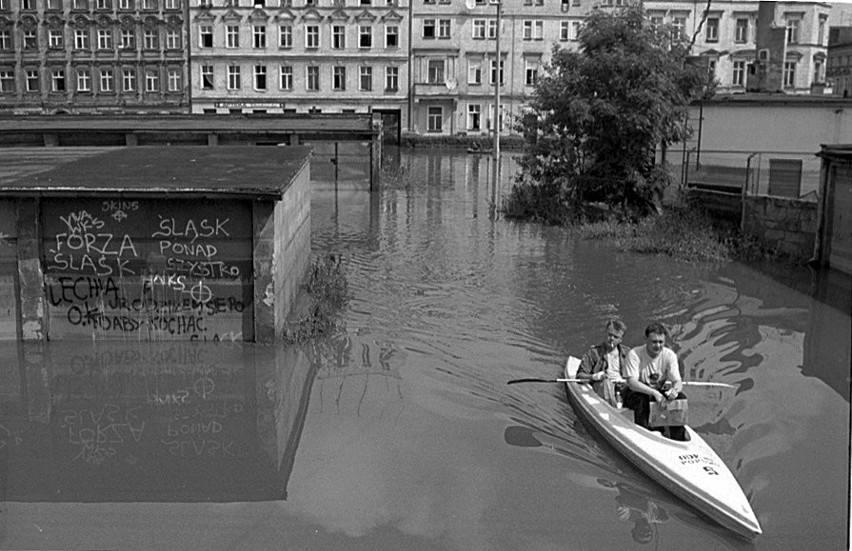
column 690, row 470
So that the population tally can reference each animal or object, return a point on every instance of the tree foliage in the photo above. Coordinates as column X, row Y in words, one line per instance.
column 598, row 114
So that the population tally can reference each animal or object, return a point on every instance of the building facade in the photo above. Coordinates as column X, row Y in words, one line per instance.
column 92, row 56
column 300, row 56
column 839, row 61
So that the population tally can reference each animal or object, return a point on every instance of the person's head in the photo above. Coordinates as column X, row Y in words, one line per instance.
column 642, row 531
column 655, row 338
column 615, row 330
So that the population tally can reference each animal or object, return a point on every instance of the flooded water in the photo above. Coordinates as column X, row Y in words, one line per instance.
column 400, row 431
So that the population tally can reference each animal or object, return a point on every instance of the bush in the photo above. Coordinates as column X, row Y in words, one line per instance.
column 327, row 295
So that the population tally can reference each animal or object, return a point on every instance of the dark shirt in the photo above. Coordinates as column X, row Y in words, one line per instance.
column 595, row 359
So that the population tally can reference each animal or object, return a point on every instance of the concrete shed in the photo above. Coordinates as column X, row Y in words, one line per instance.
column 834, row 236
column 152, row 243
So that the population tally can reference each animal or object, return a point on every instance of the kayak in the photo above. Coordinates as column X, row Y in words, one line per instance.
column 691, row 470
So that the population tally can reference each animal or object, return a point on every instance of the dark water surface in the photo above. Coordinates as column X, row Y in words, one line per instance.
column 400, row 431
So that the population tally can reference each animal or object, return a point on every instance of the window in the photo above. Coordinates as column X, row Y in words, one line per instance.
column 741, row 31
column 474, row 72
column 285, row 36
column 57, row 80
column 126, row 4
column 479, row 28
column 428, row 28
column 149, row 5
column 738, row 77
column 5, row 40
column 7, row 80
column 286, row 77
column 81, row 39
column 392, row 36
column 206, row 77
column 33, row 80
column 338, row 37
column 444, row 28
column 128, row 39
column 564, row 30
column 152, row 80
column 260, row 77
column 233, row 77
column 106, row 80
column 821, row 32
column 365, row 78
column 151, row 39
column 52, row 4
column 232, row 36
column 575, row 30
column 435, row 71
column 492, row 28
column 30, row 40
column 55, row 38
column 494, row 71
column 128, row 79
column 789, row 74
column 312, row 36
column 365, row 36
column 533, row 30
column 205, row 36
column 173, row 39
column 338, row 78
column 435, row 119
column 312, row 78
column 474, row 117
column 259, row 36
column 84, row 80
column 175, row 4
column 103, row 4
column 391, row 79
column 28, row 4
column 531, row 73
column 793, row 26
column 712, row 31
column 818, row 71
column 656, row 23
column 678, row 27
column 105, row 39
column 81, row 4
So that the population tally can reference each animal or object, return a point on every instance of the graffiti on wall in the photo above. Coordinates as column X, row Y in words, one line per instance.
column 148, row 269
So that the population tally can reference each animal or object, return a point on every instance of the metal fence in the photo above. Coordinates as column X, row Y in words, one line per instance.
column 781, row 174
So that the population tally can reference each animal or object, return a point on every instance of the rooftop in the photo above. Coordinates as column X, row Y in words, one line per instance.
column 173, row 170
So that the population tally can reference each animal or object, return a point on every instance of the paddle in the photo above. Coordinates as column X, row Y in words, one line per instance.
column 534, row 380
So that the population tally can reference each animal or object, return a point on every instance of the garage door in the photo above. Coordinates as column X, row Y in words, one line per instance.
column 785, row 177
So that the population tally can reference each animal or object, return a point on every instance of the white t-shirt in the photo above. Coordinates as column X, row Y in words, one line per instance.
column 613, row 364
column 640, row 364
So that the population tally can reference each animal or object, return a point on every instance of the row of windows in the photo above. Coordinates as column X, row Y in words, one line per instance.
column 259, row 36
column 742, row 28
column 435, row 118
column 260, row 78
column 104, row 39
column 436, row 71
column 85, row 80
column 57, row 5
column 738, row 76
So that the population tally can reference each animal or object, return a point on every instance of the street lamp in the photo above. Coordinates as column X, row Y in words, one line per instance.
column 497, row 75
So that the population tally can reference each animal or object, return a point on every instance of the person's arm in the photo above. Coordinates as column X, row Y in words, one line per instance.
column 584, row 372
column 674, row 376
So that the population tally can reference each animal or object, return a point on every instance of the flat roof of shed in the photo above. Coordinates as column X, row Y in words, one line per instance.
column 173, row 170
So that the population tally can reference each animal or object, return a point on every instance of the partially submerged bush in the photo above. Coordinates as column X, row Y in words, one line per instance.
column 327, row 295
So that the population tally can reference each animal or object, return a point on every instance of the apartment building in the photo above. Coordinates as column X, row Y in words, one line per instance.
column 300, row 56
column 455, row 63
column 92, row 56
column 839, row 62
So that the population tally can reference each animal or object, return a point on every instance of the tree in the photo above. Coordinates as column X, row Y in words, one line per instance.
column 597, row 115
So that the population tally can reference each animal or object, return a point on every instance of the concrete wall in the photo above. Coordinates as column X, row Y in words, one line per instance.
column 8, row 270
column 790, row 224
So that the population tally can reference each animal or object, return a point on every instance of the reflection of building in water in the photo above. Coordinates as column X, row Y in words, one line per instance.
column 138, row 422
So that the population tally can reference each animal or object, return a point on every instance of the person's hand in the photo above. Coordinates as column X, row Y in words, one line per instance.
column 599, row 376
column 658, row 396
column 672, row 394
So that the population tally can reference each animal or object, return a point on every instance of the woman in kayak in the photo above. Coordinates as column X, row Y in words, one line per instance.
column 647, row 369
column 603, row 363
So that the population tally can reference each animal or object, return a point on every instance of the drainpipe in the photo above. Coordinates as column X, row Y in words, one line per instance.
column 745, row 193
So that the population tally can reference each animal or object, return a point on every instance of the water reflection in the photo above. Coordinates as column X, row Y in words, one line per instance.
column 150, row 422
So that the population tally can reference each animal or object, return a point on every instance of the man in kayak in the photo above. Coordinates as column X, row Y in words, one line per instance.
column 647, row 369
column 603, row 363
